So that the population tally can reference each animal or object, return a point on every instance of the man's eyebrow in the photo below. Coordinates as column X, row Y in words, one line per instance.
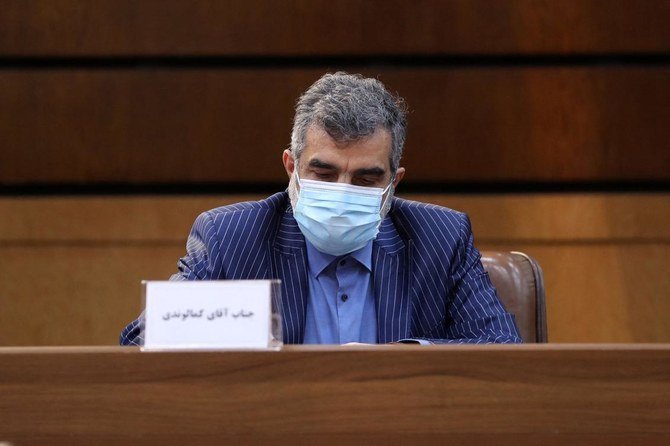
column 317, row 163
column 375, row 171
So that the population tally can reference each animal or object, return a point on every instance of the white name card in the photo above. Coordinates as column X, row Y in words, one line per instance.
column 210, row 315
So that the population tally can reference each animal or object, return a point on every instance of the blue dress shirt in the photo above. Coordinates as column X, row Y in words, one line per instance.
column 341, row 302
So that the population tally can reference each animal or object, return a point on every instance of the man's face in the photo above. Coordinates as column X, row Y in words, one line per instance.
column 363, row 162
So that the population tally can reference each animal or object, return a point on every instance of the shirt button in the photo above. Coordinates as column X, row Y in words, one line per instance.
column 344, row 298
column 342, row 262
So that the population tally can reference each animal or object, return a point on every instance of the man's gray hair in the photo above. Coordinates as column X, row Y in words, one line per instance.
column 349, row 107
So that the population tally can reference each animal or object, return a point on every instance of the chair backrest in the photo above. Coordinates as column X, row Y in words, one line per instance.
column 518, row 280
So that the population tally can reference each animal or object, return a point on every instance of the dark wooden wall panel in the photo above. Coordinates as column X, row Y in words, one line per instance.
column 326, row 27
column 200, row 125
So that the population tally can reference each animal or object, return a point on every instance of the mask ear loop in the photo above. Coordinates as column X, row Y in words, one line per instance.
column 386, row 189
column 297, row 176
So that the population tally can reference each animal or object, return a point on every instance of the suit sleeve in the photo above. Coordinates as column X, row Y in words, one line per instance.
column 201, row 262
column 475, row 313
column 203, row 255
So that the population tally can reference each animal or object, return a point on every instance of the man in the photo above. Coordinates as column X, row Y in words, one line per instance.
column 356, row 264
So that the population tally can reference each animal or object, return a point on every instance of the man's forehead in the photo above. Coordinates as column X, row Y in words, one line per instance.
column 371, row 148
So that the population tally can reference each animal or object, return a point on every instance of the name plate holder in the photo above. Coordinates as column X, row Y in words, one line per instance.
column 212, row 315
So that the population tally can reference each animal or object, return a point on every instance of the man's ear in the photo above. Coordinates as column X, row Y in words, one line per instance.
column 289, row 162
column 399, row 174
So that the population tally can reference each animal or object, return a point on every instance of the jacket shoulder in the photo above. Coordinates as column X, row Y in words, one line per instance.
column 274, row 203
column 240, row 219
column 429, row 222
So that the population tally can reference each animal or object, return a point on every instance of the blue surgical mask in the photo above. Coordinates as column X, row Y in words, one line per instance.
column 338, row 218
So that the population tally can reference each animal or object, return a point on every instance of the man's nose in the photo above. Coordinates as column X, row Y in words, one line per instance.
column 345, row 178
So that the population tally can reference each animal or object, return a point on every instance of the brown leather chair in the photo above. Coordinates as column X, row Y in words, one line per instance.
column 518, row 280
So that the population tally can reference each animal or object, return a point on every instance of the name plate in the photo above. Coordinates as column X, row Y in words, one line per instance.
column 209, row 315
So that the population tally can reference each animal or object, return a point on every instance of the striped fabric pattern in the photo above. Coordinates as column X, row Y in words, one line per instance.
column 429, row 282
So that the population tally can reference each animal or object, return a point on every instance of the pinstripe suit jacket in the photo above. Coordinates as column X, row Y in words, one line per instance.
column 428, row 280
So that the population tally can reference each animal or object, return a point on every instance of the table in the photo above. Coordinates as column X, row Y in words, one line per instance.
column 493, row 394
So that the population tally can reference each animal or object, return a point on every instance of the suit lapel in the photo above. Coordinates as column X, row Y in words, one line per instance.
column 390, row 272
column 290, row 266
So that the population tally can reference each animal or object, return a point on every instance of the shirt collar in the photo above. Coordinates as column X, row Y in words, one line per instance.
column 319, row 261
